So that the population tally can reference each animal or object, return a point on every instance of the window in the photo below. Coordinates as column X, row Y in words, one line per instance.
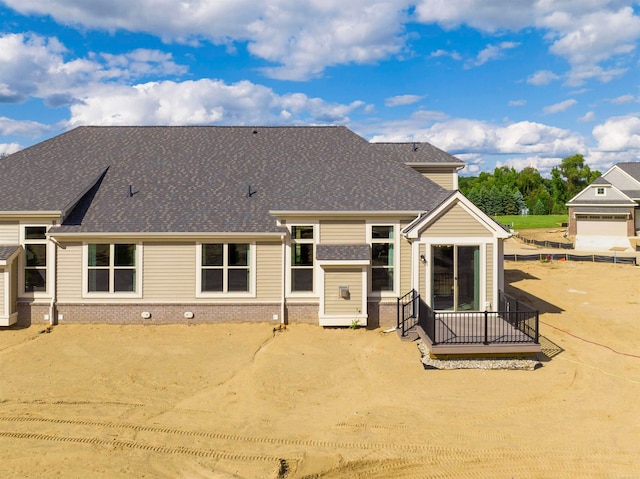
column 35, row 259
column 225, row 268
column 302, row 258
column 111, row 268
column 600, row 191
column 382, row 258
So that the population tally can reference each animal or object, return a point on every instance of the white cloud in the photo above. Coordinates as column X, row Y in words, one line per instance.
column 202, row 102
column 587, row 117
column 618, row 134
column 445, row 53
column 301, row 38
column 559, row 107
column 542, row 77
column 491, row 52
column 517, row 102
column 623, row 99
column 401, row 100
column 9, row 148
column 460, row 135
column 34, row 66
column 27, row 129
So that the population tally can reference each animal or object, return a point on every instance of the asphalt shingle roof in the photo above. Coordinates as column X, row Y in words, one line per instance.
column 417, row 153
column 631, row 168
column 7, row 251
column 332, row 252
column 197, row 179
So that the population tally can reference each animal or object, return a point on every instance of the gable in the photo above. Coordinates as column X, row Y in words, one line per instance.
column 590, row 195
column 621, row 180
column 455, row 222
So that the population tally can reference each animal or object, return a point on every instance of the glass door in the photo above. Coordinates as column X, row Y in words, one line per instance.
column 455, row 278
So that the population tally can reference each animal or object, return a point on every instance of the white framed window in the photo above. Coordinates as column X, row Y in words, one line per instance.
column 35, row 259
column 302, row 252
column 384, row 256
column 601, row 191
column 225, row 269
column 112, row 270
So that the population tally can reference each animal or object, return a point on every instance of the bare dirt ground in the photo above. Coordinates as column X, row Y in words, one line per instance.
column 240, row 401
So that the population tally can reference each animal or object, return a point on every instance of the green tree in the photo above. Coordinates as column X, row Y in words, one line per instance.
column 577, row 174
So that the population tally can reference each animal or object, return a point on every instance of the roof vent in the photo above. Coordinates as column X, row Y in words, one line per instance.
column 415, row 147
column 255, row 132
column 250, row 192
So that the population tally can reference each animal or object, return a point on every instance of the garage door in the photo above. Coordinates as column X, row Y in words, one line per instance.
column 594, row 226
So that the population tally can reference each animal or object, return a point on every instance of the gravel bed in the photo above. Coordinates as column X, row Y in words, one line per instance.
column 479, row 363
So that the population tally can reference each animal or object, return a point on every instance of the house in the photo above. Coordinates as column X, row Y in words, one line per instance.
column 605, row 215
column 215, row 224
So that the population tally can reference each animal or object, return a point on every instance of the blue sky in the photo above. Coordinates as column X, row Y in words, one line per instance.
column 518, row 83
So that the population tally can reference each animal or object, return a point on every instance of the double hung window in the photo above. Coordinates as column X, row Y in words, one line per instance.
column 382, row 258
column 225, row 268
column 35, row 259
column 302, row 241
column 111, row 268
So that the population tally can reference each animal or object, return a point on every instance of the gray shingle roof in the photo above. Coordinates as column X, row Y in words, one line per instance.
column 332, row 252
column 632, row 193
column 7, row 251
column 631, row 168
column 417, row 153
column 600, row 181
column 196, row 179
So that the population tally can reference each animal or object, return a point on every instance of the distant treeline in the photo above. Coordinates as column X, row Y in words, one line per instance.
column 508, row 192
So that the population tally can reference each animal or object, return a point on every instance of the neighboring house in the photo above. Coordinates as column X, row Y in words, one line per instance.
column 605, row 214
column 215, row 224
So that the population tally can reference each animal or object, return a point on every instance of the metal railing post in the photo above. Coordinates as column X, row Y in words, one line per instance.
column 486, row 327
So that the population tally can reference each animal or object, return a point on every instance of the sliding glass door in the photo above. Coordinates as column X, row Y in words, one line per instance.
column 455, row 278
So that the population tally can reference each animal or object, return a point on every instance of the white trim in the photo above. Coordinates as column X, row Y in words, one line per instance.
column 343, row 262
column 604, row 190
column 46, row 215
column 358, row 214
column 49, row 268
column 316, row 238
column 592, row 186
column 396, row 259
column 112, row 295
column 233, row 294
column 343, row 319
column 635, row 180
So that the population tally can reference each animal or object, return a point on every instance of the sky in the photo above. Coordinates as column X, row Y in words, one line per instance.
column 518, row 83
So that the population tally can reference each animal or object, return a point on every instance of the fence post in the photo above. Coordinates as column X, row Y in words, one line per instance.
column 486, row 327
column 537, row 328
column 398, row 317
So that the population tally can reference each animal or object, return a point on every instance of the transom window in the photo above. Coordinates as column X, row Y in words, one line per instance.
column 302, row 242
column 225, row 268
column 111, row 268
column 35, row 259
column 382, row 258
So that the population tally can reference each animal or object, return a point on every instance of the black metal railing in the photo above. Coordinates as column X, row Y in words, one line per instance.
column 407, row 311
column 514, row 322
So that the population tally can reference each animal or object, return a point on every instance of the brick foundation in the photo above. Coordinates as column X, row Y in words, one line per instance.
column 382, row 315
column 302, row 313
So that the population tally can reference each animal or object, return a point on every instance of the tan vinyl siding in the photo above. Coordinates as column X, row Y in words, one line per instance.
column 489, row 276
column 455, row 222
column 440, row 176
column 342, row 232
column 405, row 266
column 333, row 279
column 69, row 272
column 422, row 280
column 269, row 271
column 9, row 233
column 169, row 272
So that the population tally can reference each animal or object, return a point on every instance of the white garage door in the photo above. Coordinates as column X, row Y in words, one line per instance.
column 594, row 226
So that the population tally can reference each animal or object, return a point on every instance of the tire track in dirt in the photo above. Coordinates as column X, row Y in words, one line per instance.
column 210, row 453
column 334, row 445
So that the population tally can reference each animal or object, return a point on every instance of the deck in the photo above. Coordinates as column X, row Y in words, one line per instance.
column 512, row 330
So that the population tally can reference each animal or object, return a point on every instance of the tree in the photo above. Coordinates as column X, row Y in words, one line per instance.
column 577, row 174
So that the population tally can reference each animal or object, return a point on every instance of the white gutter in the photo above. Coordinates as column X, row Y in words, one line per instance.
column 161, row 235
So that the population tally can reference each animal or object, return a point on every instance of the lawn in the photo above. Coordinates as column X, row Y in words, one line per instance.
column 532, row 221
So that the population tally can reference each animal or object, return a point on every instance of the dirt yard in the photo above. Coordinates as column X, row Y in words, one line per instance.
column 240, row 401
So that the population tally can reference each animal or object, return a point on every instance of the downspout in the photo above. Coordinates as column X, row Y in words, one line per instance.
column 284, row 275
column 54, row 287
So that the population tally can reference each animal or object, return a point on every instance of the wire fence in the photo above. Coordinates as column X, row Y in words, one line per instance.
column 547, row 244
column 593, row 258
